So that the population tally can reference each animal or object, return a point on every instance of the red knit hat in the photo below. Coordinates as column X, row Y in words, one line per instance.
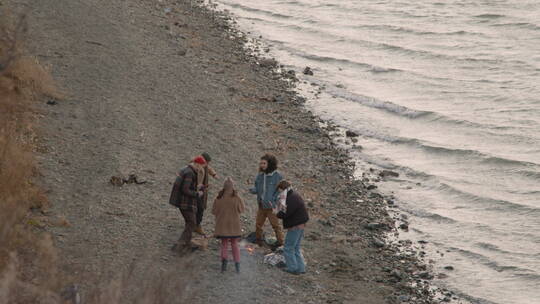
column 199, row 160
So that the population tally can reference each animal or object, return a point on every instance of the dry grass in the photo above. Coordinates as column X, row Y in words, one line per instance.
column 27, row 259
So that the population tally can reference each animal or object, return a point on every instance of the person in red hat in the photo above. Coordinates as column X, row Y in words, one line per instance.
column 185, row 196
column 203, row 183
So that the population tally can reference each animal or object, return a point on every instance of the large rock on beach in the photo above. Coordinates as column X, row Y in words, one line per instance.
column 308, row 71
column 350, row 133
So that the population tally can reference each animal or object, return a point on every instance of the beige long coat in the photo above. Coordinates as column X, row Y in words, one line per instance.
column 227, row 210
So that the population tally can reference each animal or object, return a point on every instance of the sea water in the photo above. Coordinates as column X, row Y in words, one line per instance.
column 447, row 93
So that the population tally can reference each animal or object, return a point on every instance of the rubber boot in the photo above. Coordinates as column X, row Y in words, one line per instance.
column 237, row 266
column 223, row 266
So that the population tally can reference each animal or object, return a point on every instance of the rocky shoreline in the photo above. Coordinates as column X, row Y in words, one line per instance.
column 353, row 203
column 154, row 83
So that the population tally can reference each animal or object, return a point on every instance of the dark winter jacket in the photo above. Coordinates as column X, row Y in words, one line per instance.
column 296, row 213
column 184, row 194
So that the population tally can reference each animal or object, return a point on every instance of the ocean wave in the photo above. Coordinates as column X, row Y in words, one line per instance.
column 489, row 16
column 258, row 11
column 526, row 25
column 433, row 217
column 402, row 29
column 511, row 162
column 378, row 104
column 481, row 157
column 495, row 248
column 403, row 111
column 376, row 69
column 494, row 265
column 504, row 206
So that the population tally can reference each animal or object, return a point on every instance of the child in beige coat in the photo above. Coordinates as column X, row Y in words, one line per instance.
column 227, row 209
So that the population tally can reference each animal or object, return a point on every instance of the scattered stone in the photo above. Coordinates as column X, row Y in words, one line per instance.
column 320, row 147
column 308, row 71
column 349, row 133
column 442, row 276
column 279, row 99
column 404, row 298
column 121, row 180
column 371, row 187
column 404, row 226
column 424, row 242
column 374, row 226
column 268, row 63
column 134, row 179
column 388, row 173
column 289, row 290
column 52, row 102
column 449, row 267
column 117, row 181
column 397, row 274
column 181, row 53
column 425, row 275
column 378, row 242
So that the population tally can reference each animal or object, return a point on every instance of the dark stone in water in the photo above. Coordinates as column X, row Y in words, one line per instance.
column 371, row 187
column 349, row 133
column 308, row 71
column 386, row 173
column 449, row 267
column 404, row 226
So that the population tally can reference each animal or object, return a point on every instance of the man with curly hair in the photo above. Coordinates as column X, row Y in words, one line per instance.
column 267, row 197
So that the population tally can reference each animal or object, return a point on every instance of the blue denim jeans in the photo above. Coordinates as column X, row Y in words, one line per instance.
column 291, row 251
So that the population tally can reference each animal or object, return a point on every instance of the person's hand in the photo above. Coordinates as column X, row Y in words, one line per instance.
column 200, row 193
column 177, row 173
column 216, row 176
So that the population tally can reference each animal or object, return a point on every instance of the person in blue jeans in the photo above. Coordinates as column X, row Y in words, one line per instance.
column 292, row 210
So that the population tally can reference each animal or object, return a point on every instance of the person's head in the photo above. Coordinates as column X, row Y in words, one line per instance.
column 199, row 161
column 228, row 189
column 268, row 163
column 206, row 157
column 283, row 185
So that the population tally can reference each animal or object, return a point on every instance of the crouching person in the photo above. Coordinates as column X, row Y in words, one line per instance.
column 292, row 210
column 227, row 209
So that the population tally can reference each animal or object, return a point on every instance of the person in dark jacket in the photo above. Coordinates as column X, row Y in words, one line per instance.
column 185, row 196
column 292, row 210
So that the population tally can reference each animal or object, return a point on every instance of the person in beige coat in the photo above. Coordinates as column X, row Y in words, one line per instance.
column 227, row 209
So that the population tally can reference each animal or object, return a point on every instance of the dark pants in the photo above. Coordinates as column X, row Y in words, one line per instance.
column 200, row 211
column 189, row 219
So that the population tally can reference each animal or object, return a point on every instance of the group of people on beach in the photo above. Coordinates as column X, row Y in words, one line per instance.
column 276, row 200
